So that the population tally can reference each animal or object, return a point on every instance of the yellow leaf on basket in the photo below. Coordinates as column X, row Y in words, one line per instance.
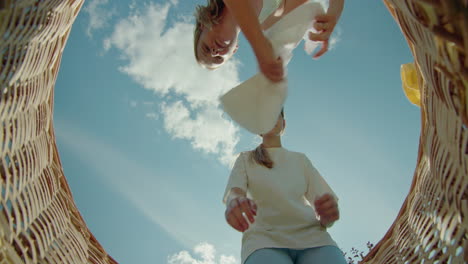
column 409, row 78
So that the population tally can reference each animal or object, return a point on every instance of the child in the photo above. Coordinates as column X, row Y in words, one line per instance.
column 274, row 189
column 219, row 23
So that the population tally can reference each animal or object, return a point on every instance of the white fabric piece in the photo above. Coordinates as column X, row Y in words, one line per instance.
column 256, row 103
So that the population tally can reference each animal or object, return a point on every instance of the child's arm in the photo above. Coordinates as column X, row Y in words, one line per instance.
column 238, row 204
column 326, row 208
column 321, row 196
column 243, row 12
column 235, row 193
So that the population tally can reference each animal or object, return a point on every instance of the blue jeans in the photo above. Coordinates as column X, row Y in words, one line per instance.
column 317, row 255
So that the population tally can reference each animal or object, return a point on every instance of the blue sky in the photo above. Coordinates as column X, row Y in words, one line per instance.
column 146, row 149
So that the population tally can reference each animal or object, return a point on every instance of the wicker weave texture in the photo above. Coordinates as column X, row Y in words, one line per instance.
column 39, row 222
column 432, row 224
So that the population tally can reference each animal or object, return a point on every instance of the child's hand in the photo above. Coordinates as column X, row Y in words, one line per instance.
column 324, row 24
column 327, row 209
column 235, row 210
column 270, row 65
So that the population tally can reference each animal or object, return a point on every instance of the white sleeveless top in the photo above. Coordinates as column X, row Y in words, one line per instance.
column 284, row 196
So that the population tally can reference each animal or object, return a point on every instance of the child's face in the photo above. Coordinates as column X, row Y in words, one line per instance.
column 216, row 45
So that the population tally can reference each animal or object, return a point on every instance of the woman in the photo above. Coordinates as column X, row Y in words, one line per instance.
column 277, row 190
column 218, row 25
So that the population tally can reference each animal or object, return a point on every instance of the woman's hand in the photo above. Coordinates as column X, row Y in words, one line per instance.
column 327, row 209
column 270, row 65
column 325, row 24
column 235, row 210
column 247, row 18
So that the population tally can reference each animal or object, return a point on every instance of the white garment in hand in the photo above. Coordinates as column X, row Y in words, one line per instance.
column 256, row 103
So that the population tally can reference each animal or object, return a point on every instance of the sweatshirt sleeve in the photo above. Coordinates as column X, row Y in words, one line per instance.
column 237, row 178
column 316, row 184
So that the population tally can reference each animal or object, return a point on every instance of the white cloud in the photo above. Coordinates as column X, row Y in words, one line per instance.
column 160, row 58
column 152, row 115
column 208, row 130
column 207, row 254
column 99, row 15
column 133, row 103
column 335, row 38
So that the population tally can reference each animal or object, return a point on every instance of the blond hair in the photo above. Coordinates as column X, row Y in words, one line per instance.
column 206, row 16
column 261, row 156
